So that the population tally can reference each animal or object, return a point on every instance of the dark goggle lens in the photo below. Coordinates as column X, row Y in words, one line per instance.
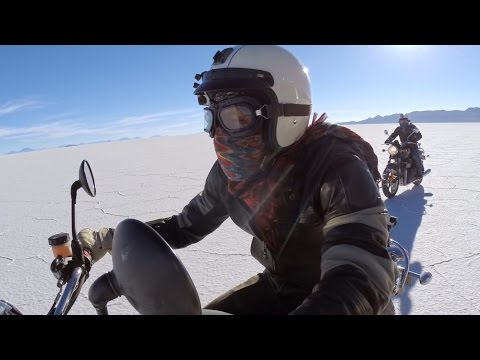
column 207, row 120
column 237, row 117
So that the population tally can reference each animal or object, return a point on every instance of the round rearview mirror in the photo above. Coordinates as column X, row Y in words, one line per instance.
column 86, row 178
column 385, row 132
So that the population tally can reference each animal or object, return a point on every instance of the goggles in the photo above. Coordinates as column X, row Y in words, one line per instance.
column 237, row 116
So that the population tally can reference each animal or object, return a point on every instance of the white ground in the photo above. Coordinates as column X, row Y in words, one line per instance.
column 149, row 179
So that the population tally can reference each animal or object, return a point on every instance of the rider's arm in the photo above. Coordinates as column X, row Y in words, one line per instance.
column 393, row 135
column 357, row 274
column 205, row 213
column 418, row 134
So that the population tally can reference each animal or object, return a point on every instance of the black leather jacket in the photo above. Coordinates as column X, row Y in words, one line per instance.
column 405, row 134
column 331, row 230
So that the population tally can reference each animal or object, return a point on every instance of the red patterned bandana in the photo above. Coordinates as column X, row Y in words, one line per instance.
column 240, row 158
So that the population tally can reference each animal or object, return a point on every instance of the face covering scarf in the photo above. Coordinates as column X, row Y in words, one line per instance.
column 240, row 158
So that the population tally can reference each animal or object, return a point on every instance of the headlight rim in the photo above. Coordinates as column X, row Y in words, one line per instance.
column 392, row 150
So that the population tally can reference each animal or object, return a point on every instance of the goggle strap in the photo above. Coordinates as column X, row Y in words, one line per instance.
column 275, row 110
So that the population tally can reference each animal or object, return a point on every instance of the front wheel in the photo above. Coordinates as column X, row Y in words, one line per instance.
column 390, row 182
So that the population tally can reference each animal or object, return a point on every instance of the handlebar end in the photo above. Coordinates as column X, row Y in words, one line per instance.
column 425, row 278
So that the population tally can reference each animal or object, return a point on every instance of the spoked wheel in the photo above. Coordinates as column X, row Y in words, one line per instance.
column 390, row 182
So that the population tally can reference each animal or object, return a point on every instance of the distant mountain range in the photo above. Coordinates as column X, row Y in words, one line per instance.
column 430, row 116
column 20, row 151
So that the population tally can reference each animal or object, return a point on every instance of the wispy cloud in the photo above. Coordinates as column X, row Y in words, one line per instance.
column 149, row 118
column 154, row 124
column 18, row 105
column 51, row 130
column 173, row 129
column 142, row 125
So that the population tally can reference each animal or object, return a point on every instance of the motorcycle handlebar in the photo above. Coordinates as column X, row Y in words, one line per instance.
column 66, row 297
column 404, row 143
column 71, row 279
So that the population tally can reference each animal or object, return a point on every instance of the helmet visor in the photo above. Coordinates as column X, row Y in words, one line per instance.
column 233, row 78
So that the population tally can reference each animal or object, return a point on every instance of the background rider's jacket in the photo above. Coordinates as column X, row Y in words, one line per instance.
column 405, row 133
column 321, row 234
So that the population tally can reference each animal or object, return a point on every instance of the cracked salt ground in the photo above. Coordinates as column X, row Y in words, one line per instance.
column 153, row 178
column 20, row 261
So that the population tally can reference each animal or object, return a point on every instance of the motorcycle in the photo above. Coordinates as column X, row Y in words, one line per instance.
column 401, row 169
column 138, row 252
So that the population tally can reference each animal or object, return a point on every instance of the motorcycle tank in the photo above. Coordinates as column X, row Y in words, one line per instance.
column 149, row 274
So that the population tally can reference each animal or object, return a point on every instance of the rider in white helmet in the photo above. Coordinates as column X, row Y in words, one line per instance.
column 304, row 191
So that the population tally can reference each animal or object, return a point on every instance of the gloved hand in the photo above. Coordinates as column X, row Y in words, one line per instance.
column 98, row 242
column 387, row 142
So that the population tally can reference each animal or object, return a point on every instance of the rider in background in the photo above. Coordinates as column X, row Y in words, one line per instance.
column 408, row 132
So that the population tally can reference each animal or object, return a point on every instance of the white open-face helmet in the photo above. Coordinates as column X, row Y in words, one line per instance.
column 276, row 74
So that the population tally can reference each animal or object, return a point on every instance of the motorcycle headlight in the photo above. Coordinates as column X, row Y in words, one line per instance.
column 392, row 150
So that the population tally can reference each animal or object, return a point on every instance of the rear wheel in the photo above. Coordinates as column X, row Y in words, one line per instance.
column 390, row 182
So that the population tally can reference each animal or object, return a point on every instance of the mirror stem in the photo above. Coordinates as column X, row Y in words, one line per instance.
column 73, row 191
column 76, row 246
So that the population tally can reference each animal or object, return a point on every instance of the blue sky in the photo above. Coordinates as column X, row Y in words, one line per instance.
column 58, row 95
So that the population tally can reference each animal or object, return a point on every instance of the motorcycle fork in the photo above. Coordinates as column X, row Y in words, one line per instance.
column 392, row 177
